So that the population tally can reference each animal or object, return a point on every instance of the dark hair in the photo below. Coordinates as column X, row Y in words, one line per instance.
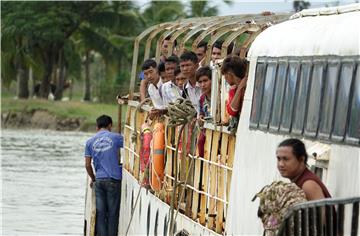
column 169, row 37
column 172, row 59
column 103, row 121
column 161, row 67
column 218, row 44
column 202, row 44
column 148, row 63
column 298, row 148
column 177, row 71
column 189, row 56
column 203, row 71
column 235, row 65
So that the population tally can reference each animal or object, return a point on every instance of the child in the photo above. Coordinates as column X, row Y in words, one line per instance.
column 234, row 71
column 203, row 77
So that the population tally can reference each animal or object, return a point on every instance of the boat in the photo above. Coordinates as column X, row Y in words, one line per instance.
column 303, row 81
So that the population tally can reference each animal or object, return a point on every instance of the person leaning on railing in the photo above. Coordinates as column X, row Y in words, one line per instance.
column 292, row 164
column 234, row 71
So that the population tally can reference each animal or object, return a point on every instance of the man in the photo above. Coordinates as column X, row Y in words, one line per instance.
column 152, row 75
column 165, row 48
column 103, row 150
column 291, row 162
column 216, row 50
column 201, row 53
column 144, row 83
column 169, row 91
column 188, row 67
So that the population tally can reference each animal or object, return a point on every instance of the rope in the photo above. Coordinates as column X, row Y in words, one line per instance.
column 181, row 112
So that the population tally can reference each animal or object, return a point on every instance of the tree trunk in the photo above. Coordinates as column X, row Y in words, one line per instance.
column 22, row 82
column 87, row 94
column 45, row 83
column 60, row 81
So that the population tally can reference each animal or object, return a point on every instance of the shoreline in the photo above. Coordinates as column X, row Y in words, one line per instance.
column 43, row 119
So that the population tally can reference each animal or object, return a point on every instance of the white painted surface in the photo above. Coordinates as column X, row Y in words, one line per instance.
column 138, row 224
column 255, row 161
column 311, row 35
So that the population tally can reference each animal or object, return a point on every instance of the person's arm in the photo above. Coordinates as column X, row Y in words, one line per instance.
column 312, row 190
column 89, row 170
column 237, row 100
column 143, row 87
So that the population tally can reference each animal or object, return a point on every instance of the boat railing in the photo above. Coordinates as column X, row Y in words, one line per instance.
column 203, row 182
column 323, row 217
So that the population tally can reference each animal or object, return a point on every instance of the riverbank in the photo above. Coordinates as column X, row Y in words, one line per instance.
column 55, row 115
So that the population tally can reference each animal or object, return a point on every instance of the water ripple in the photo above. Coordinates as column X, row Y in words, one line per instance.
column 43, row 182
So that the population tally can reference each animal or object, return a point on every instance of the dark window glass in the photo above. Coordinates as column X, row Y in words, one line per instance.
column 312, row 119
column 342, row 103
column 328, row 104
column 353, row 134
column 278, row 96
column 302, row 94
column 257, row 96
column 290, row 89
column 268, row 95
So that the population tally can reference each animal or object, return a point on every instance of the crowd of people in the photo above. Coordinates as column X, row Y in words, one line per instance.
column 188, row 77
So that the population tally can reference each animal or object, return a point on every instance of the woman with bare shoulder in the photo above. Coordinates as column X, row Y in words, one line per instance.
column 292, row 164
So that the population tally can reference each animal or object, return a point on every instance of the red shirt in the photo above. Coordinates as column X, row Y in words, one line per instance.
column 232, row 92
column 308, row 175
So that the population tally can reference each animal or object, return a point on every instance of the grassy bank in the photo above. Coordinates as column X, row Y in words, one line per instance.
column 69, row 109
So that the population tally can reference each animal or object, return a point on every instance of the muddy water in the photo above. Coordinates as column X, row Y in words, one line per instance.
column 43, row 178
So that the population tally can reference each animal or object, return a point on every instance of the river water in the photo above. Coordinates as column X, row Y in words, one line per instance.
column 43, row 182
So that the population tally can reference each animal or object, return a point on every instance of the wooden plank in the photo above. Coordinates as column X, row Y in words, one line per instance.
column 196, row 184
column 221, row 181
column 230, row 161
column 204, row 181
column 127, row 138
column 131, row 144
column 213, row 184
column 140, row 117
column 183, row 160
column 195, row 198
column 169, row 156
column 190, row 171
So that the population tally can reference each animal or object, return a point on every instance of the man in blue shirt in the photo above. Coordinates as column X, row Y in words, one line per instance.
column 103, row 149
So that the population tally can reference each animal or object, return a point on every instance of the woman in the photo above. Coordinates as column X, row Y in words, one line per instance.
column 292, row 164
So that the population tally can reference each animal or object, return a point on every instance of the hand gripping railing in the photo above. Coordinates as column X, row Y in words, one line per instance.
column 323, row 217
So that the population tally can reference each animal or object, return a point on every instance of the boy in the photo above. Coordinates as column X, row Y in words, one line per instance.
column 152, row 75
column 203, row 76
column 234, row 71
column 188, row 67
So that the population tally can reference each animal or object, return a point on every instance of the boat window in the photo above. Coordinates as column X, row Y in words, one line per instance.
column 328, row 106
column 278, row 99
column 268, row 94
column 312, row 119
column 290, row 89
column 342, row 103
column 353, row 134
column 316, row 97
column 302, row 95
column 258, row 90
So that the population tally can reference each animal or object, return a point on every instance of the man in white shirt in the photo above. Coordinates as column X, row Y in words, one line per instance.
column 151, row 74
column 188, row 67
column 169, row 91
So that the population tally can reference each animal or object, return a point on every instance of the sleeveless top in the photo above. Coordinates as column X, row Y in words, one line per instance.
column 308, row 175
